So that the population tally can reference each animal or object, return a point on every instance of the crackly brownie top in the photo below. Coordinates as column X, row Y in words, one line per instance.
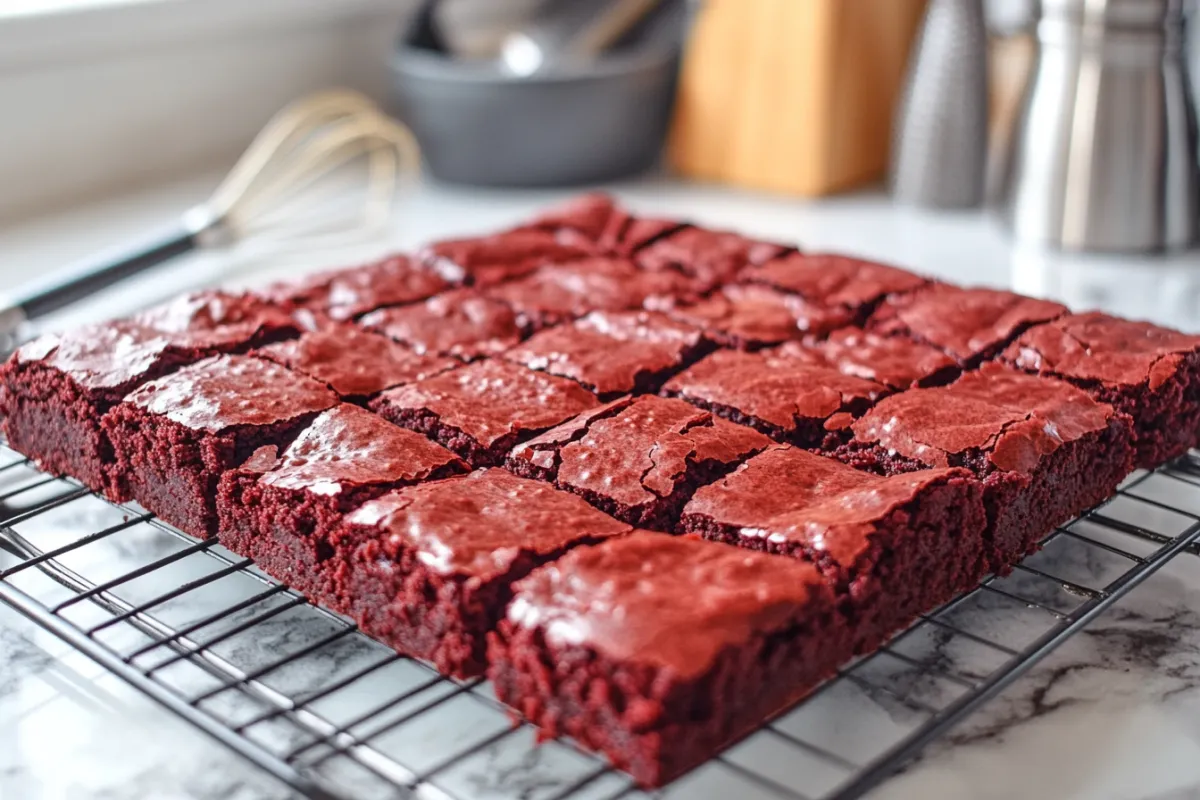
column 485, row 260
column 894, row 361
column 715, row 257
column 346, row 448
column 462, row 323
column 789, row 495
column 563, row 291
column 635, row 450
column 104, row 356
column 1012, row 417
column 1099, row 347
column 478, row 525
column 610, row 352
column 227, row 391
column 774, row 387
column 670, row 602
column 963, row 322
column 343, row 294
column 597, row 220
column 833, row 280
column 212, row 321
column 489, row 400
column 753, row 315
column 355, row 362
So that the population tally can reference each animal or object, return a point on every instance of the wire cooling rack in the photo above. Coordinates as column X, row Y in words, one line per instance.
column 301, row 693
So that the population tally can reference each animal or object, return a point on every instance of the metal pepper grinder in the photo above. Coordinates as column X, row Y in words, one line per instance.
column 1104, row 149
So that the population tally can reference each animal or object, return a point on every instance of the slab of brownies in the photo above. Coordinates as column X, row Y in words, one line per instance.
column 656, row 481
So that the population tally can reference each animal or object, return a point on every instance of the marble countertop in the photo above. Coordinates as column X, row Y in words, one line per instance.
column 1114, row 713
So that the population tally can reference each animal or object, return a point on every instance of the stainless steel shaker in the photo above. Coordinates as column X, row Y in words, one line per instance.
column 1104, row 150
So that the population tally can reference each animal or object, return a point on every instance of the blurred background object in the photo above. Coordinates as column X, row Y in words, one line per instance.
column 792, row 97
column 1104, row 150
column 939, row 150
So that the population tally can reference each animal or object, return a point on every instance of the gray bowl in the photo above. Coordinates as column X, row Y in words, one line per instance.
column 570, row 125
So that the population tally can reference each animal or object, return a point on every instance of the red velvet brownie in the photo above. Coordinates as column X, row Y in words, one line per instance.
column 174, row 436
column 638, row 458
column 834, row 281
column 598, row 222
column 614, row 353
column 659, row 651
column 1150, row 373
column 893, row 547
column 482, row 410
column 345, row 294
column 789, row 399
column 355, row 363
column 749, row 317
column 281, row 509
column 895, row 362
column 969, row 325
column 54, row 391
column 563, row 292
column 713, row 257
column 1044, row 450
column 463, row 323
column 429, row 569
column 486, row 260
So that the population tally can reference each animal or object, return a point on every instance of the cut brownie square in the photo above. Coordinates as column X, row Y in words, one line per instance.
column 345, row 294
column 54, row 391
column 659, row 651
column 789, row 399
column 713, row 257
column 750, row 317
column 1044, row 450
column 429, row 569
column 486, row 260
column 482, row 410
column 895, row 362
column 1150, row 373
column 356, row 364
column 969, row 325
column 614, row 353
column 281, row 509
column 562, row 292
column 598, row 222
column 174, row 436
column 638, row 458
column 462, row 323
column 894, row 546
column 834, row 281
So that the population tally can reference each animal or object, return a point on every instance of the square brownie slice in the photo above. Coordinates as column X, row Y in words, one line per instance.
column 429, row 569
column 563, row 292
column 750, row 317
column 174, row 436
column 462, row 323
column 895, row 362
column 638, row 458
column 344, row 294
column 970, row 325
column 614, row 353
column 355, row 363
column 893, row 547
column 713, row 257
column 598, row 222
column 1150, row 373
column 1044, row 449
column 834, row 281
column 659, row 651
column 789, row 399
column 487, row 260
column 53, row 391
column 281, row 508
column 481, row 410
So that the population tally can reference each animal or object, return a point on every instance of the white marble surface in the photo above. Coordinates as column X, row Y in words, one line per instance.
column 1112, row 714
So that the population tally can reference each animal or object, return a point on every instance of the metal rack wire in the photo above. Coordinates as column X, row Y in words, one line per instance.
column 301, row 693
